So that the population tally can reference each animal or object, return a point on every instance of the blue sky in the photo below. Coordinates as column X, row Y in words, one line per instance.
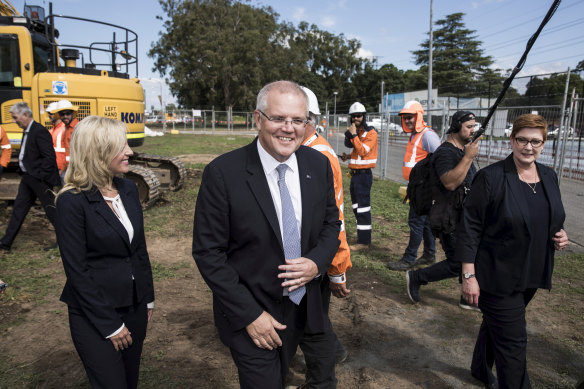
column 387, row 29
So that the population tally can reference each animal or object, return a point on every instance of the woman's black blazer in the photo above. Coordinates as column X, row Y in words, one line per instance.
column 495, row 227
column 101, row 264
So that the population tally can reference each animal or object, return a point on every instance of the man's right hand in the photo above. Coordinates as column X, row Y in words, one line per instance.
column 339, row 290
column 345, row 156
column 471, row 149
column 263, row 331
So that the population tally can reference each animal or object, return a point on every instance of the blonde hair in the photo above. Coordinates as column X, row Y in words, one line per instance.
column 96, row 141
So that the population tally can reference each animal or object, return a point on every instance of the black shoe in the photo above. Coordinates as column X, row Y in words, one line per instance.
column 4, row 247
column 464, row 305
column 399, row 265
column 426, row 260
column 413, row 287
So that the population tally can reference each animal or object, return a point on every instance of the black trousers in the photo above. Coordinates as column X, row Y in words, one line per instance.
column 443, row 269
column 29, row 190
column 107, row 368
column 361, row 198
column 502, row 340
column 261, row 368
column 320, row 350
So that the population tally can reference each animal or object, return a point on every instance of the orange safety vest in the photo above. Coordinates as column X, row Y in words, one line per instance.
column 68, row 133
column 364, row 153
column 342, row 260
column 5, row 147
column 414, row 152
column 58, row 135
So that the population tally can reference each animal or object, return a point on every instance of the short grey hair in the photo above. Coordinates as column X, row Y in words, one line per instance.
column 313, row 118
column 21, row 108
column 281, row 86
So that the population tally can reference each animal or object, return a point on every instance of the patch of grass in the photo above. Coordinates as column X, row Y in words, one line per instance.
column 163, row 272
column 174, row 145
column 18, row 377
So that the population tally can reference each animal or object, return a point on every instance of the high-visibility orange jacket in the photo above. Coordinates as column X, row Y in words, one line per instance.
column 5, row 147
column 342, row 260
column 414, row 152
column 68, row 133
column 58, row 135
column 364, row 153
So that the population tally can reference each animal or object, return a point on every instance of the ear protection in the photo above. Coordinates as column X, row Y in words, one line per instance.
column 458, row 118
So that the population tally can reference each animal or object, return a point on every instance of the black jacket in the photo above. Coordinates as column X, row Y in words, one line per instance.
column 39, row 155
column 495, row 227
column 237, row 243
column 99, row 259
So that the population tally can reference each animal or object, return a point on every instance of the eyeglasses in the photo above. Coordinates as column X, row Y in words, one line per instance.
column 534, row 142
column 66, row 113
column 296, row 123
column 357, row 115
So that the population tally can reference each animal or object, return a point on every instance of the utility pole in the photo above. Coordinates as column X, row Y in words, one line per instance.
column 430, row 68
column 335, row 111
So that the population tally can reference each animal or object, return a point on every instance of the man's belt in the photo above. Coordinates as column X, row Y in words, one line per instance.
column 354, row 172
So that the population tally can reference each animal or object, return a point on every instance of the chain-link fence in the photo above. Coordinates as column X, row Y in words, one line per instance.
column 563, row 148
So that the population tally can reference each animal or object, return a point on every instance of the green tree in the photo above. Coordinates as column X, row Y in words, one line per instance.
column 550, row 90
column 459, row 65
column 215, row 51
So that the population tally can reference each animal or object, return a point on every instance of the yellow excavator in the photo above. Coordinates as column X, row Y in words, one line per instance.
column 37, row 69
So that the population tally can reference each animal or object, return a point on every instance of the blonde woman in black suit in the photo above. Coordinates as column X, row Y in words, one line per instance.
column 100, row 231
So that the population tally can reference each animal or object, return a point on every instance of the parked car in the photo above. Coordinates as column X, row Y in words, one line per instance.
column 508, row 130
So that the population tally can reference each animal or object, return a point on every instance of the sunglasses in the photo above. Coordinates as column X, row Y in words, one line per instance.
column 66, row 113
column 357, row 115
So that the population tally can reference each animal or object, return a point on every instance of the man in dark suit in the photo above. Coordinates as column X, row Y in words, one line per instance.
column 38, row 166
column 250, row 204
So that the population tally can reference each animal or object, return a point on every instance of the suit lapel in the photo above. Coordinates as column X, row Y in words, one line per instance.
column 258, row 185
column 517, row 191
column 103, row 210
column 130, row 205
column 306, row 191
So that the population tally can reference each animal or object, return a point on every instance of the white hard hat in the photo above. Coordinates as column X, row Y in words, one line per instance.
column 357, row 108
column 65, row 105
column 312, row 101
column 51, row 107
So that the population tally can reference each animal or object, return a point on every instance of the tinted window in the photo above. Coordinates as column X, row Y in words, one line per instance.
column 9, row 61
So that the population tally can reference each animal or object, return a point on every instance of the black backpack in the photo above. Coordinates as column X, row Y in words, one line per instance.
column 422, row 179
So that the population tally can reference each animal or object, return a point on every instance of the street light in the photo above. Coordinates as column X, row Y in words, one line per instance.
column 161, row 99
column 335, row 111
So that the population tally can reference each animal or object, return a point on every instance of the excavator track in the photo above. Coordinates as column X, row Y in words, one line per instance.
column 147, row 183
column 170, row 170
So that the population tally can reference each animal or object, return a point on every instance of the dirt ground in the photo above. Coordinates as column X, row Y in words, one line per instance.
column 391, row 342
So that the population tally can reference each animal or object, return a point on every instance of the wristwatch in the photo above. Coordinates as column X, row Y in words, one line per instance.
column 468, row 275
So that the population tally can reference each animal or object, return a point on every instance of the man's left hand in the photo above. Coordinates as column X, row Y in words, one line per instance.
column 297, row 272
column 339, row 290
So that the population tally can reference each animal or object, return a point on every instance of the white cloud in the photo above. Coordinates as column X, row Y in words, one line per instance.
column 329, row 21
column 299, row 14
column 364, row 53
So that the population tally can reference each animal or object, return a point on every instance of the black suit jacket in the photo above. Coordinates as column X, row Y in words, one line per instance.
column 99, row 259
column 237, row 243
column 39, row 155
column 495, row 228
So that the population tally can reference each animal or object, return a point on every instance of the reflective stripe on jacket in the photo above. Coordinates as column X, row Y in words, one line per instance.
column 342, row 260
column 5, row 147
column 414, row 152
column 58, row 135
column 364, row 153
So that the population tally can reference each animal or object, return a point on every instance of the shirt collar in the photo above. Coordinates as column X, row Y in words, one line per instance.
column 28, row 127
column 270, row 164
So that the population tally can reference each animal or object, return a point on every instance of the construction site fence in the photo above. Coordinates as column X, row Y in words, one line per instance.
column 563, row 150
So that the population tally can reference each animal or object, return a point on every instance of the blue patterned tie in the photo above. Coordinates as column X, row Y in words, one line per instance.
column 291, row 237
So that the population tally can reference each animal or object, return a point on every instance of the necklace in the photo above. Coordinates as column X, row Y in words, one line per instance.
column 528, row 184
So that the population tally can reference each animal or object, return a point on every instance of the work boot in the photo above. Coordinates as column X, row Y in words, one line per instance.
column 399, row 265
column 413, row 287
column 426, row 259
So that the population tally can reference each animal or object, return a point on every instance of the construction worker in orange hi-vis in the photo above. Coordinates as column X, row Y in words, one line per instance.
column 67, row 113
column 362, row 139
column 336, row 282
column 423, row 140
column 5, row 150
column 58, row 135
